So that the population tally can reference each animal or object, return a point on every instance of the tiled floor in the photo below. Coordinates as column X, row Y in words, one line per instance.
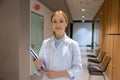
column 85, row 74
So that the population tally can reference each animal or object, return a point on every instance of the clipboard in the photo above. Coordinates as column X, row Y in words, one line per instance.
column 32, row 52
column 35, row 56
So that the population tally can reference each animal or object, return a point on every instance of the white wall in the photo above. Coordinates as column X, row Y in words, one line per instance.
column 46, row 13
column 82, row 33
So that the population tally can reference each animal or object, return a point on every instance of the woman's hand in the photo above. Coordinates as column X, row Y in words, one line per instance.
column 51, row 74
column 38, row 63
column 56, row 74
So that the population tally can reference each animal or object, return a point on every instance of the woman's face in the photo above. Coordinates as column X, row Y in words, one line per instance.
column 59, row 24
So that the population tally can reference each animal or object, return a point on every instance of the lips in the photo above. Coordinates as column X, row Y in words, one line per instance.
column 58, row 28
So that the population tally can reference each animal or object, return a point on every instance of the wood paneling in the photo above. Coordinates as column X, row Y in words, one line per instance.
column 108, row 48
column 114, row 16
column 116, row 58
column 119, row 17
column 107, row 16
column 109, row 70
column 108, row 35
column 109, row 38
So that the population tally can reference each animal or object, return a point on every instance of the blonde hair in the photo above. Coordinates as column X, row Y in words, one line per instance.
column 62, row 13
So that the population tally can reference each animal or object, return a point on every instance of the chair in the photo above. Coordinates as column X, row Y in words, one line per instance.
column 94, row 55
column 99, row 69
column 98, row 59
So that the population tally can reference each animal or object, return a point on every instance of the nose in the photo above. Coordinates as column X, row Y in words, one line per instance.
column 57, row 24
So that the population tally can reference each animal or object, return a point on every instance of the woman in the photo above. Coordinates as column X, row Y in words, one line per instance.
column 60, row 57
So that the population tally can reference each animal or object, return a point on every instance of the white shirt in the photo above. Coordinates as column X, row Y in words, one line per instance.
column 65, row 57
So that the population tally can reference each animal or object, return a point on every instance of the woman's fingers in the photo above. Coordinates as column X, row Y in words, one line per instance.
column 33, row 59
column 38, row 63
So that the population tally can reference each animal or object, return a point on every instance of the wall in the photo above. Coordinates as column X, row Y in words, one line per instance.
column 24, row 39
column 14, row 37
column 82, row 33
column 110, row 35
column 47, row 29
column 46, row 13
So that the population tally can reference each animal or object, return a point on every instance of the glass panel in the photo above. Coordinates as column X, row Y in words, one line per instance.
column 96, row 33
column 36, row 35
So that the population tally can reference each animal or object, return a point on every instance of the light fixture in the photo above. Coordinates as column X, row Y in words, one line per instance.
column 83, row 9
column 83, row 16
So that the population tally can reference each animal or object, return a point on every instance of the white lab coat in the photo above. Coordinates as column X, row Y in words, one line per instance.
column 65, row 57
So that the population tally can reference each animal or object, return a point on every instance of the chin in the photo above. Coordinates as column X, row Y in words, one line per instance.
column 59, row 32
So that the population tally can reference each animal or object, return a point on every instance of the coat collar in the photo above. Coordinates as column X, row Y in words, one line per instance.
column 65, row 40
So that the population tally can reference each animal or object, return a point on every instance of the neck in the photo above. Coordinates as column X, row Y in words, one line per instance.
column 58, row 36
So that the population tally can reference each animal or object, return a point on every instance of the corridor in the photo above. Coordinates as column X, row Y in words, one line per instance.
column 95, row 23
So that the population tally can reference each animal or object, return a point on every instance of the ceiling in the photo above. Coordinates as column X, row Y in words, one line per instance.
column 73, row 8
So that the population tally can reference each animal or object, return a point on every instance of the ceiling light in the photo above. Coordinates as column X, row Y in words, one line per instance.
column 83, row 16
column 83, row 9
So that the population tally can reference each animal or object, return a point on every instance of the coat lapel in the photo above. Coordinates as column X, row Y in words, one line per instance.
column 53, row 44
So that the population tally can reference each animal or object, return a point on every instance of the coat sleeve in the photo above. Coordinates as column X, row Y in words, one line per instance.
column 76, row 68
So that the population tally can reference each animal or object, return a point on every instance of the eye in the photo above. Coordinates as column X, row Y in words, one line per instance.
column 54, row 21
column 61, row 21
